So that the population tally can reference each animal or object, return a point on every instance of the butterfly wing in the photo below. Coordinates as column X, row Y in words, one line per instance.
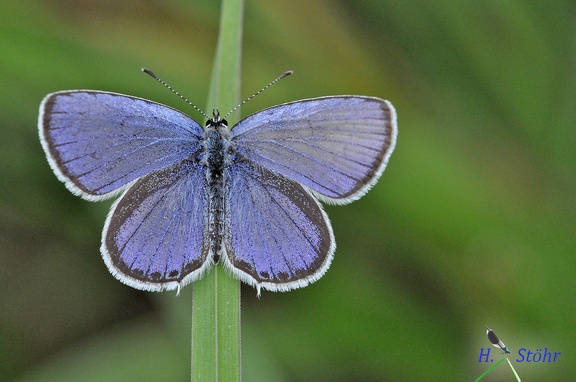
column 154, row 236
column 99, row 142
column 278, row 236
column 336, row 146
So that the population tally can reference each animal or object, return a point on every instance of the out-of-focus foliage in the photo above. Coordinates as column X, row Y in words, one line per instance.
column 471, row 224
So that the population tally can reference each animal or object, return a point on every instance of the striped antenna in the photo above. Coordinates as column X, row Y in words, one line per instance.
column 151, row 74
column 285, row 74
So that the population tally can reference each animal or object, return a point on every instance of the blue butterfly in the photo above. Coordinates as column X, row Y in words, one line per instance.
column 191, row 197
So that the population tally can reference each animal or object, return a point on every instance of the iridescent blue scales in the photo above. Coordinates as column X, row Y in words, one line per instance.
column 247, row 197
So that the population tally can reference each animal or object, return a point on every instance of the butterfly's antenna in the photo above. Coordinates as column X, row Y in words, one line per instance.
column 285, row 74
column 151, row 74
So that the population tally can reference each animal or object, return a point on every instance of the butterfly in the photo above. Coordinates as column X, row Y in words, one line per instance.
column 191, row 197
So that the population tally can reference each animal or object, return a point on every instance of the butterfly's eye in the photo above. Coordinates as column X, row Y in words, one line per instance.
column 224, row 122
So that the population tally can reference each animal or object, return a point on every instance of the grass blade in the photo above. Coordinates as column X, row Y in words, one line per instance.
column 216, row 298
column 489, row 370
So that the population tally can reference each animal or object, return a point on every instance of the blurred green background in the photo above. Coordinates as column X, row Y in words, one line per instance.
column 471, row 224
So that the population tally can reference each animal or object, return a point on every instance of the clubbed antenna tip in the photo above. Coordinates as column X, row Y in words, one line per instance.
column 149, row 72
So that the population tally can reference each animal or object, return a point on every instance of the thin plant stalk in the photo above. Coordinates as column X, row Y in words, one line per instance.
column 216, row 297
column 489, row 370
column 496, row 364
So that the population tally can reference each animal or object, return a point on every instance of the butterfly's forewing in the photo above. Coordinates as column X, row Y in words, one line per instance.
column 336, row 146
column 154, row 235
column 98, row 142
column 278, row 237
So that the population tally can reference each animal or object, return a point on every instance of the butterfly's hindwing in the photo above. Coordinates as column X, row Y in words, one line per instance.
column 278, row 237
column 155, row 236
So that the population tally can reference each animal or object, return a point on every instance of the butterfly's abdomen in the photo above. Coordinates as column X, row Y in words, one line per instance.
column 215, row 160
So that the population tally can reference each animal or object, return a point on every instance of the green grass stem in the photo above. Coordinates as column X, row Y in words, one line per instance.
column 496, row 364
column 216, row 298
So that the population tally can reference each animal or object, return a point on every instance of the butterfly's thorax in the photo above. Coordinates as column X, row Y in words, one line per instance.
column 216, row 158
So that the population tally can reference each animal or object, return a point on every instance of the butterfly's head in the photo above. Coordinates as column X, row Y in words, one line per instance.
column 216, row 120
